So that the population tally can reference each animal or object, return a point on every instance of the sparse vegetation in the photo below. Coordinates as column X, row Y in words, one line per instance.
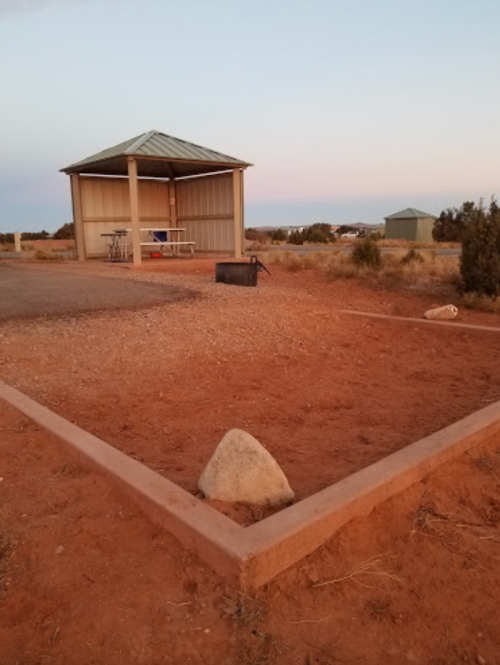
column 296, row 237
column 480, row 258
column 279, row 235
column 392, row 273
column 412, row 256
column 480, row 302
column 66, row 232
column 6, row 238
column 451, row 223
column 37, row 235
column 46, row 256
column 317, row 233
column 255, row 235
column 367, row 253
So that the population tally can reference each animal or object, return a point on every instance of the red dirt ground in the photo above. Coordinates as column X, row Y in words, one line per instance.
column 86, row 578
column 326, row 393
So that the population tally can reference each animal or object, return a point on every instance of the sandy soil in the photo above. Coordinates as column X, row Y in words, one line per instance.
column 85, row 578
column 326, row 393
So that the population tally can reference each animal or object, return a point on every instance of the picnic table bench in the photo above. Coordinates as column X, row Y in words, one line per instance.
column 160, row 240
column 170, row 245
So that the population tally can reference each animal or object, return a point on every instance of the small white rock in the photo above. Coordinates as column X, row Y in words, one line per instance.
column 445, row 313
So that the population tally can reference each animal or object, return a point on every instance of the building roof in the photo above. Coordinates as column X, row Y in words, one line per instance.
column 158, row 155
column 410, row 213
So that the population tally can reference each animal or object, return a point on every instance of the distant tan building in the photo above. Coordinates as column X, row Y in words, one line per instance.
column 410, row 224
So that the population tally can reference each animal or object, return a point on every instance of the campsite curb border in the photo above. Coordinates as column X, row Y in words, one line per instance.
column 252, row 556
column 455, row 326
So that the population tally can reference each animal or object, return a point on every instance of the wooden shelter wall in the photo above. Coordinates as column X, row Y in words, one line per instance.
column 106, row 206
column 205, row 208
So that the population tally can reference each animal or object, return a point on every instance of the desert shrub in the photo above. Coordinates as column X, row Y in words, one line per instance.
column 6, row 238
column 451, row 223
column 480, row 302
column 296, row 237
column 279, row 235
column 34, row 235
column 257, row 236
column 257, row 247
column 316, row 237
column 319, row 233
column 366, row 253
column 341, row 267
column 45, row 256
column 412, row 256
column 293, row 262
column 66, row 232
column 480, row 257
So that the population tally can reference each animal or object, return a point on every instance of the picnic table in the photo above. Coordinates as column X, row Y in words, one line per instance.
column 162, row 240
column 117, row 245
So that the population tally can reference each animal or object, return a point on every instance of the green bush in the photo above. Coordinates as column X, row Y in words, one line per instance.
column 319, row 233
column 66, row 232
column 6, row 238
column 257, row 236
column 296, row 237
column 316, row 236
column 451, row 223
column 366, row 253
column 480, row 257
column 279, row 235
column 412, row 256
column 37, row 235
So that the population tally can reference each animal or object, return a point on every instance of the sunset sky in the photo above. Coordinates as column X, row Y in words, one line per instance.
column 350, row 109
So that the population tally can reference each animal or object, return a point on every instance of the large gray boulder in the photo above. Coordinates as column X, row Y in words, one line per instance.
column 242, row 470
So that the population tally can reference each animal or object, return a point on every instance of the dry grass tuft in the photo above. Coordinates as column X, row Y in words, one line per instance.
column 369, row 574
column 40, row 255
column 487, row 464
column 481, row 303
column 378, row 608
column 395, row 271
column 245, row 610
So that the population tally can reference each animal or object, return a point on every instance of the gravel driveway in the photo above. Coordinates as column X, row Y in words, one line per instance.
column 30, row 293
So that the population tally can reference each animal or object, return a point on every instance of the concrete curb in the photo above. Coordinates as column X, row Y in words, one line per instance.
column 252, row 556
column 450, row 325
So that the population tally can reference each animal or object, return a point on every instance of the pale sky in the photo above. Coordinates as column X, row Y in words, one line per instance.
column 349, row 109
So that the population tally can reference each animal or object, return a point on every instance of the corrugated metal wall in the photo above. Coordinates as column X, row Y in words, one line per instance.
column 424, row 229
column 106, row 206
column 401, row 228
column 205, row 209
column 418, row 229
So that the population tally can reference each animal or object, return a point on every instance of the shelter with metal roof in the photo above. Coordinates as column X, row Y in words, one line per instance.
column 410, row 224
column 156, row 180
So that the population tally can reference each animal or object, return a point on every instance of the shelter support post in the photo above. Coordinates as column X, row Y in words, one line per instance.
column 242, row 241
column 76, row 197
column 134, row 210
column 17, row 241
column 172, row 197
column 238, row 211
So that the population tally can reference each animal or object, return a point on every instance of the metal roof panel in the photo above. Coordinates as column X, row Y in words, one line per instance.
column 157, row 145
column 410, row 213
